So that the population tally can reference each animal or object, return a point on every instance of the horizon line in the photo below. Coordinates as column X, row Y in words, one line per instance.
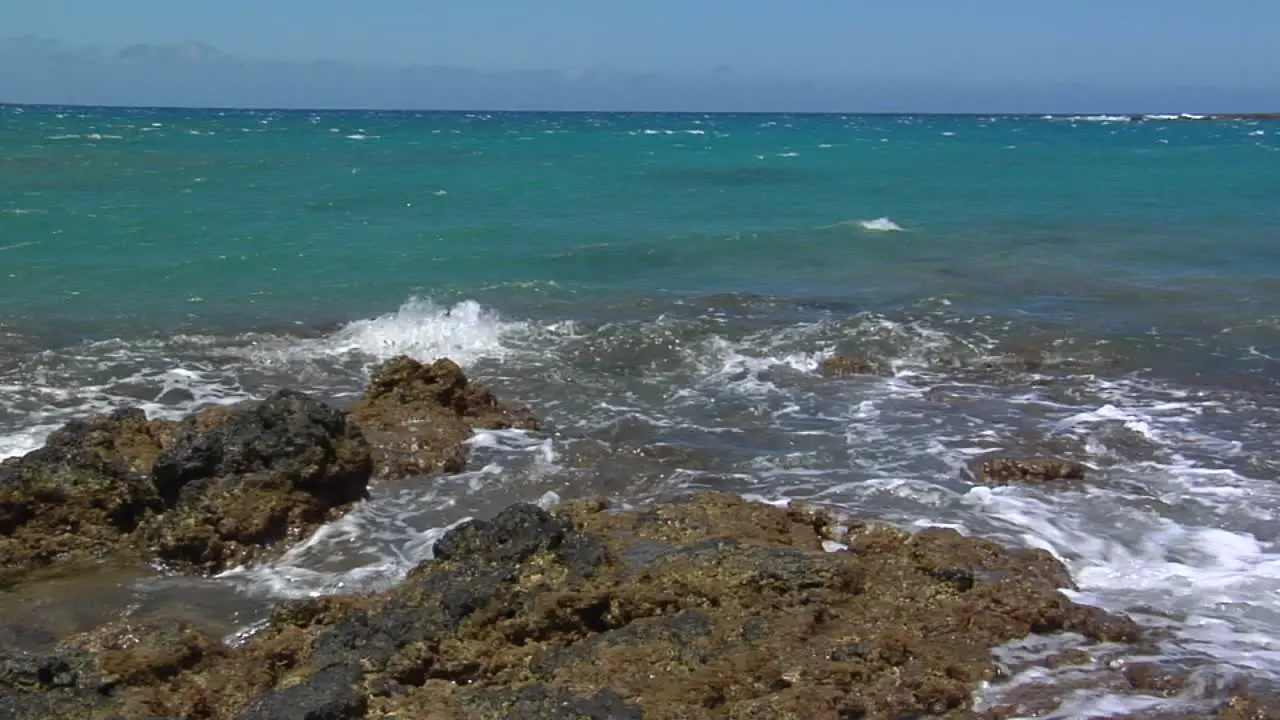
column 1182, row 115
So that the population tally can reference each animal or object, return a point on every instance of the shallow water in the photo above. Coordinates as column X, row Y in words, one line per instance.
column 660, row 290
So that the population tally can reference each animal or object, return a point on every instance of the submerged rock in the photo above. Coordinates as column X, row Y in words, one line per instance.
column 206, row 493
column 847, row 365
column 711, row 607
column 1008, row 471
column 418, row 417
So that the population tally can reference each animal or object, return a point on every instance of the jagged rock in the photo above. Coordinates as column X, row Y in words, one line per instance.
column 1008, row 471
column 538, row 702
column 1248, row 707
column 212, row 491
column 262, row 474
column 845, row 366
column 710, row 607
column 514, row 535
column 48, row 686
column 330, row 694
column 418, row 416
column 80, row 493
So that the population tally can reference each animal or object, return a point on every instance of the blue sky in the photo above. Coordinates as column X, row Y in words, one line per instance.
column 922, row 55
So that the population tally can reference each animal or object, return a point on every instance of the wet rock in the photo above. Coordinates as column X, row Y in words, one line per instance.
column 1153, row 679
column 289, row 434
column 132, row 654
column 80, row 493
column 418, row 416
column 330, row 694
column 1029, row 443
column 1008, row 471
column 716, row 515
column 1026, row 362
column 125, row 438
column 47, row 686
column 1070, row 658
column 215, row 490
column 711, row 607
column 847, row 365
column 254, row 478
column 514, row 535
column 1249, row 707
column 538, row 702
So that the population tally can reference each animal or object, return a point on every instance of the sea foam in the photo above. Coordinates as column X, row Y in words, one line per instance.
column 881, row 224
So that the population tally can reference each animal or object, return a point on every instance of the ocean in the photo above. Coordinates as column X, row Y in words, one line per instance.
column 661, row 289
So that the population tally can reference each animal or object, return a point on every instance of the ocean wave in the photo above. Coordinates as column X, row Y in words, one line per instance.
column 1175, row 524
column 170, row 378
column 420, row 329
column 880, row 224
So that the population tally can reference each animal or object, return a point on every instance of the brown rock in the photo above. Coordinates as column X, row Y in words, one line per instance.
column 711, row 607
column 219, row 488
column 845, row 366
column 1069, row 658
column 125, row 437
column 1153, row 679
column 1008, row 471
column 418, row 416
column 80, row 494
column 1248, row 707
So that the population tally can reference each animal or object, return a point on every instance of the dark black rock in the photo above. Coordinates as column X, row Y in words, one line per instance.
column 961, row 579
column 538, row 702
column 682, row 631
column 427, row 609
column 57, row 685
column 583, row 555
column 240, row 482
column 514, row 535
column 289, row 434
column 330, row 694
column 38, row 672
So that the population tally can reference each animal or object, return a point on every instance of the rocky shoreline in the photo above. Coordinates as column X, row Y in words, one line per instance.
column 705, row 607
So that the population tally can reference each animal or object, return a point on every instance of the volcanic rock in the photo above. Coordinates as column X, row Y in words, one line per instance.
column 846, row 366
column 265, row 474
column 1008, row 471
column 710, row 607
column 418, row 417
column 215, row 490
column 81, row 493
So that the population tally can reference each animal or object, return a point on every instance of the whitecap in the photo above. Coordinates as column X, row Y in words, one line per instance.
column 881, row 224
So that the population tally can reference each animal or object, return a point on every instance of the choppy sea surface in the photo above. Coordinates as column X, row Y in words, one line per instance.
column 661, row 289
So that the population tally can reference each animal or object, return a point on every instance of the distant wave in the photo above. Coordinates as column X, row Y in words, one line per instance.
column 880, row 224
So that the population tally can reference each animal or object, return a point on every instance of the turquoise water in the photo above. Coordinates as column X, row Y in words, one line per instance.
column 165, row 217
column 661, row 290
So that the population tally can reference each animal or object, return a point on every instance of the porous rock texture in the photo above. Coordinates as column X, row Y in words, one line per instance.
column 419, row 416
column 212, row 491
column 707, row 607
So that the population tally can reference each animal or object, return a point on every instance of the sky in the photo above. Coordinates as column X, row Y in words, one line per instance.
column 806, row 55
